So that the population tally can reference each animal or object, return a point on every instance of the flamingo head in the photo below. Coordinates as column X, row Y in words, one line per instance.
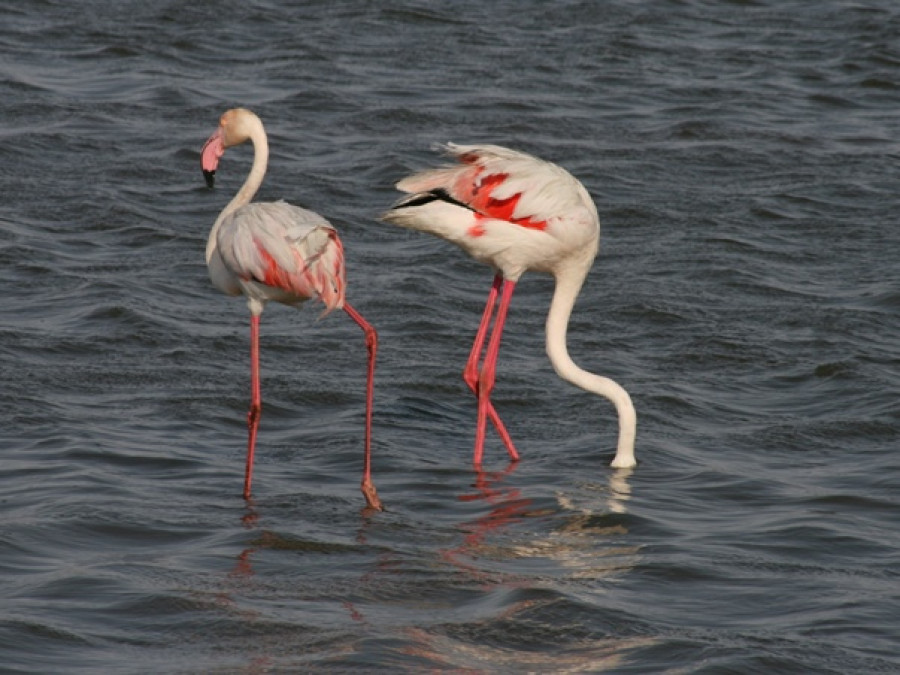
column 213, row 149
column 235, row 127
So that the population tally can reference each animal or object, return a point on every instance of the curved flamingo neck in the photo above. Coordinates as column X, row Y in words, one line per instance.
column 568, row 285
column 251, row 185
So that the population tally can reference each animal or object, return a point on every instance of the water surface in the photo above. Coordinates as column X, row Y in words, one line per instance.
column 743, row 158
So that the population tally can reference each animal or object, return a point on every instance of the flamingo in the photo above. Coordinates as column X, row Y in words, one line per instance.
column 515, row 212
column 276, row 251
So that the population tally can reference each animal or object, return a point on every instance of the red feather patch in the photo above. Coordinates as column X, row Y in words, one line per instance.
column 501, row 209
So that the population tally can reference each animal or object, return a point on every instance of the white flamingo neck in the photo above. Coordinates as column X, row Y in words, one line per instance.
column 251, row 185
column 568, row 284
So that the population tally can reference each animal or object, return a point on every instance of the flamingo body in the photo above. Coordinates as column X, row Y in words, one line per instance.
column 277, row 251
column 505, row 208
column 274, row 251
column 515, row 212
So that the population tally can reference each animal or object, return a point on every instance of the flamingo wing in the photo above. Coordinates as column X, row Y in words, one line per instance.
column 287, row 248
column 503, row 184
column 505, row 208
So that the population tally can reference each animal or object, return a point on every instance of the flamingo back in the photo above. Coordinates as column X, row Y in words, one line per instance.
column 505, row 184
column 505, row 208
column 284, row 253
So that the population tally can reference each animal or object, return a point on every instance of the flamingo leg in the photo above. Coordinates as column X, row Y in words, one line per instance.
column 470, row 374
column 255, row 402
column 489, row 371
column 367, row 486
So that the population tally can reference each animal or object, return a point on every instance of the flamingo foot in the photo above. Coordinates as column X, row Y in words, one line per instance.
column 371, row 495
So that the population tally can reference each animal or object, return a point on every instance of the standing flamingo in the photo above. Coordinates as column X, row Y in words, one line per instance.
column 276, row 251
column 515, row 212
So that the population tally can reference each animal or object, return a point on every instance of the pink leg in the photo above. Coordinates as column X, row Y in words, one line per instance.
column 470, row 374
column 489, row 370
column 368, row 487
column 255, row 402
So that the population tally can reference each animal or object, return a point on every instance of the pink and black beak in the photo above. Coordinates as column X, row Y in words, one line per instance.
column 213, row 149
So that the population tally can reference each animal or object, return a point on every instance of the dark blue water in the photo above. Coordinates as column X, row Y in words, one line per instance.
column 744, row 160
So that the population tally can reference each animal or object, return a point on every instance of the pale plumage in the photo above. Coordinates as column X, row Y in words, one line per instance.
column 274, row 251
column 507, row 209
column 515, row 212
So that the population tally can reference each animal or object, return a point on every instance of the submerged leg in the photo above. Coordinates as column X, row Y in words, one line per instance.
column 255, row 402
column 367, row 486
column 470, row 374
column 489, row 372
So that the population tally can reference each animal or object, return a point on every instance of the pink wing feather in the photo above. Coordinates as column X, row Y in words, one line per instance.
column 505, row 208
column 287, row 248
column 500, row 183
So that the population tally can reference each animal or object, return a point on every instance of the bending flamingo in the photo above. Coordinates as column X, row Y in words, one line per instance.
column 515, row 212
column 276, row 251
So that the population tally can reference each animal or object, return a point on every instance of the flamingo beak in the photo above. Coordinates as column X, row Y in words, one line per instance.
column 213, row 149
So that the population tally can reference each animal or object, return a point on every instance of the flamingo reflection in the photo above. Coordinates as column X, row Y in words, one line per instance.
column 508, row 507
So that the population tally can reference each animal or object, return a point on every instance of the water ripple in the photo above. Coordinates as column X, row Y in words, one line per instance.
column 743, row 160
